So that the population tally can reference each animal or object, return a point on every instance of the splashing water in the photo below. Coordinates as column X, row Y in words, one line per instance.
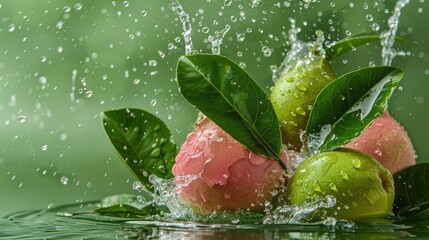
column 187, row 27
column 301, row 53
column 388, row 53
column 217, row 39
column 298, row 213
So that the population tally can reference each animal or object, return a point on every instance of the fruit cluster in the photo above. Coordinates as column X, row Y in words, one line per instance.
column 215, row 172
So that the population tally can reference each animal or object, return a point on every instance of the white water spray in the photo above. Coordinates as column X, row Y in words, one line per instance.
column 388, row 53
column 187, row 27
column 217, row 39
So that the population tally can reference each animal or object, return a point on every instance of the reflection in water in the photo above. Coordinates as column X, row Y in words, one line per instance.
column 57, row 223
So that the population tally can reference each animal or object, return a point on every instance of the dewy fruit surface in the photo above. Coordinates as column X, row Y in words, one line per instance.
column 363, row 188
column 294, row 94
column 214, row 172
column 388, row 142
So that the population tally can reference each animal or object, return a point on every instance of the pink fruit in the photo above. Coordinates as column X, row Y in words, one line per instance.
column 214, row 172
column 388, row 142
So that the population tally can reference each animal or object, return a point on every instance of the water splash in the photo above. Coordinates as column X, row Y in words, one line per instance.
column 304, row 213
column 187, row 27
column 388, row 53
column 301, row 53
column 73, row 88
column 217, row 39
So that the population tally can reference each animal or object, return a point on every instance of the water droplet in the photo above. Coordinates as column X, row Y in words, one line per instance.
column 375, row 27
column 44, row 147
column 316, row 187
column 144, row 13
column 11, row 28
column 161, row 54
column 301, row 87
column 301, row 111
column 138, row 186
column 153, row 63
column 241, row 37
column 67, row 9
column 63, row 137
column 333, row 187
column 356, row 163
column 88, row 94
column 155, row 152
column 267, row 51
column 153, row 102
column 369, row 17
column 205, row 30
column 22, row 119
column 344, row 175
column 64, row 180
column 78, row 6
column 227, row 3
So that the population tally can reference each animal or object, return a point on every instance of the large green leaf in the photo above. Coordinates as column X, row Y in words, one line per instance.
column 348, row 105
column 227, row 95
column 412, row 191
column 125, row 206
column 143, row 141
column 349, row 44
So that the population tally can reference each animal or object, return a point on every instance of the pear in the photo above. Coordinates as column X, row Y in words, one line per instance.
column 362, row 187
column 295, row 91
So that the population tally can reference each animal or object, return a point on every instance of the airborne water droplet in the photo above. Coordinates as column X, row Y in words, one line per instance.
column 64, row 180
column 22, row 119
column 11, row 28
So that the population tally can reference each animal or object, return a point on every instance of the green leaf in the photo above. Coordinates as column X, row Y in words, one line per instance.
column 126, row 206
column 349, row 44
column 127, row 211
column 227, row 95
column 143, row 141
column 412, row 191
column 128, row 199
column 348, row 105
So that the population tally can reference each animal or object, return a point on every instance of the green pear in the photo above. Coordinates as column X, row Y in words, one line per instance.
column 295, row 91
column 362, row 187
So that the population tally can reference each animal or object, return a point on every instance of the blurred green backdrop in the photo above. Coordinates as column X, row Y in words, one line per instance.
column 64, row 62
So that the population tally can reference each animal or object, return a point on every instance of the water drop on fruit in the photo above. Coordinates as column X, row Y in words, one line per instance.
column 316, row 187
column 356, row 163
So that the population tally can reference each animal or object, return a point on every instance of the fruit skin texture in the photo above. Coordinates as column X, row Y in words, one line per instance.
column 388, row 142
column 363, row 188
column 294, row 93
column 214, row 172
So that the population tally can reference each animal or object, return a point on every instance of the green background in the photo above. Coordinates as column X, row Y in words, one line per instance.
column 64, row 62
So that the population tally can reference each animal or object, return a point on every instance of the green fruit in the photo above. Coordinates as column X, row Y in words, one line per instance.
column 294, row 93
column 363, row 188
